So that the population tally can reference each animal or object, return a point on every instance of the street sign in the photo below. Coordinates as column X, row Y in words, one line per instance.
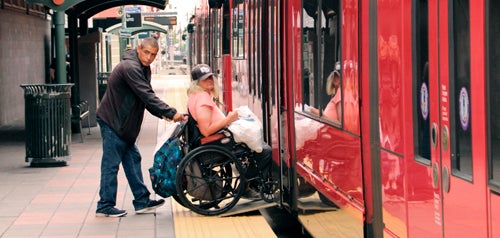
column 133, row 17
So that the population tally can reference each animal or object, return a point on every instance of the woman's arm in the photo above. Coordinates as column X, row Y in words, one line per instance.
column 314, row 111
column 205, row 125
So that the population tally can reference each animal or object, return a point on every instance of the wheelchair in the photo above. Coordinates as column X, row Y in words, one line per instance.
column 212, row 176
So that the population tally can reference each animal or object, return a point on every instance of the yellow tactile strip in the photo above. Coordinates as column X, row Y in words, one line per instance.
column 192, row 225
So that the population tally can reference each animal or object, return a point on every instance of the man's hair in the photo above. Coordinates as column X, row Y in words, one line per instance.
column 150, row 41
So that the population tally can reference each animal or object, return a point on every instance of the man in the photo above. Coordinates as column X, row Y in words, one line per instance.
column 120, row 116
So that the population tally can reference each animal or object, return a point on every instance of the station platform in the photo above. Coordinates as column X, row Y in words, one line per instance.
column 61, row 201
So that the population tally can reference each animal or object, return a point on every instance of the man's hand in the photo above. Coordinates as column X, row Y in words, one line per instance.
column 178, row 117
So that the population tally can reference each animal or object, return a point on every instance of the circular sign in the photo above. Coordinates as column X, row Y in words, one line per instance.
column 58, row 2
column 464, row 108
column 424, row 101
column 445, row 137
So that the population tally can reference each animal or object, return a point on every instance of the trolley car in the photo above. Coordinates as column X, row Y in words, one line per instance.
column 412, row 150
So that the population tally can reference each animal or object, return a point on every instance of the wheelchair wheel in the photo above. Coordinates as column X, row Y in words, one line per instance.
column 269, row 191
column 177, row 199
column 208, row 180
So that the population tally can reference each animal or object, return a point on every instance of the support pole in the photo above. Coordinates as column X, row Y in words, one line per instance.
column 123, row 40
column 60, row 47
column 73, row 62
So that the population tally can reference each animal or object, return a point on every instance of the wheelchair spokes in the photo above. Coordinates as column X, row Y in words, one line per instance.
column 269, row 191
column 206, row 182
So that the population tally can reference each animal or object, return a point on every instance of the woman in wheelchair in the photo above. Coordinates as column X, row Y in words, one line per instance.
column 204, row 109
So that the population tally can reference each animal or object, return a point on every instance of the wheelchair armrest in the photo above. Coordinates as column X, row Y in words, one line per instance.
column 212, row 138
column 224, row 133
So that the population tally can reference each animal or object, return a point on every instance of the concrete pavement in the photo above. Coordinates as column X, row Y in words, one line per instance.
column 61, row 201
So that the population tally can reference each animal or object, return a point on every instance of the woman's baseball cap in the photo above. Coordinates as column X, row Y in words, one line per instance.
column 201, row 72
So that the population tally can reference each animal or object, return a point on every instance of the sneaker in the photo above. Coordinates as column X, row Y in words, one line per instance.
column 251, row 194
column 152, row 205
column 110, row 212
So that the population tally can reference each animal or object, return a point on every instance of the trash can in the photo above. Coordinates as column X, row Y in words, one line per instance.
column 47, row 113
column 102, row 81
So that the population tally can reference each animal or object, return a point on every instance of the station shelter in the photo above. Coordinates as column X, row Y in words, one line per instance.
column 35, row 33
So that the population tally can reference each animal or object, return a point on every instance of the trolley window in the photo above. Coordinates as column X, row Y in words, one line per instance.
column 321, row 66
column 273, row 57
column 226, row 40
column 461, row 143
column 258, row 49
column 238, row 28
column 493, row 91
column 253, row 43
column 421, row 112
column 217, row 32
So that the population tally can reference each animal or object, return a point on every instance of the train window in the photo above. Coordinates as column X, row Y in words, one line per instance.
column 252, row 48
column 421, row 82
column 226, row 41
column 258, row 50
column 238, row 28
column 321, row 67
column 252, row 43
column 205, row 33
column 274, row 59
column 460, row 124
column 217, row 31
column 493, row 87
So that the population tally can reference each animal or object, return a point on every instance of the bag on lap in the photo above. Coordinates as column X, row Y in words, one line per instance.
column 247, row 129
column 164, row 168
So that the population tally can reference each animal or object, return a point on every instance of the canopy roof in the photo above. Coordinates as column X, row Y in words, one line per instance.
column 85, row 9
column 146, row 26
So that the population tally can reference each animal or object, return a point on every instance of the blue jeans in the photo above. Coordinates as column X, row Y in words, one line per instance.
column 116, row 151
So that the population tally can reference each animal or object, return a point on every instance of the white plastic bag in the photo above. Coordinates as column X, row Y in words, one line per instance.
column 165, row 131
column 247, row 129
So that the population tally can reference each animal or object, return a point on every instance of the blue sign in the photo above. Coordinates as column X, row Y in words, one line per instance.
column 132, row 9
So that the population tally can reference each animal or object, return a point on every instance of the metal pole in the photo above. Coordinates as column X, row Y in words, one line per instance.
column 74, row 75
column 60, row 47
column 123, row 40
